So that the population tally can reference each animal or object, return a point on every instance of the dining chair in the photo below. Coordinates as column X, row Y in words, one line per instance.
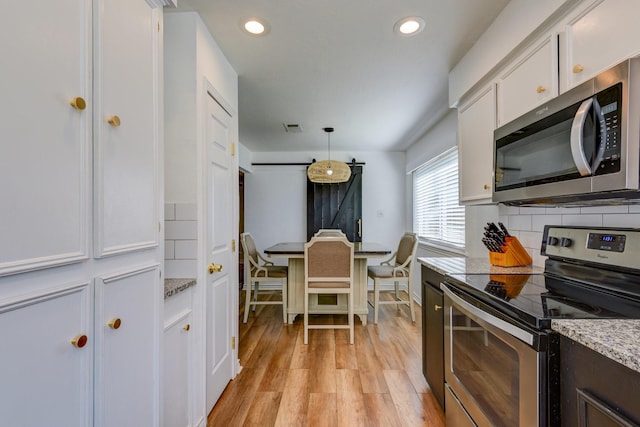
column 397, row 270
column 259, row 270
column 328, row 269
column 334, row 232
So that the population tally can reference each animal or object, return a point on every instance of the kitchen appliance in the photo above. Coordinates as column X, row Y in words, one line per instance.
column 501, row 356
column 581, row 147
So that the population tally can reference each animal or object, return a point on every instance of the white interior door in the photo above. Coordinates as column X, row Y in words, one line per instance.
column 219, row 252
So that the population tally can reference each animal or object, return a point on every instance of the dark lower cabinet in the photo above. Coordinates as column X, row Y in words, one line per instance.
column 433, row 332
column 596, row 391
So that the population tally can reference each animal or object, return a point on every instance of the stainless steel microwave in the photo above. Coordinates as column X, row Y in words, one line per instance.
column 580, row 148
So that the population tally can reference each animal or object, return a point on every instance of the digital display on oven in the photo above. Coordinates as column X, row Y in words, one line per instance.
column 606, row 242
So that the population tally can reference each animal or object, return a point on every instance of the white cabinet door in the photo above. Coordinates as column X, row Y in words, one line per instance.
column 476, row 123
column 530, row 81
column 45, row 149
column 178, row 353
column 598, row 37
column 50, row 379
column 127, row 329
column 126, row 126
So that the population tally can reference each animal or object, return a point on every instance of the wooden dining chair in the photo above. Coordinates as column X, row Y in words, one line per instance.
column 259, row 270
column 397, row 270
column 328, row 269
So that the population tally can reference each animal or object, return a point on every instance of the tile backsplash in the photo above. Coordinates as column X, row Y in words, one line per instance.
column 181, row 240
column 528, row 223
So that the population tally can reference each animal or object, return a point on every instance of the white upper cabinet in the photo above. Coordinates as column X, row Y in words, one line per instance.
column 45, row 150
column 476, row 123
column 529, row 81
column 596, row 37
column 126, row 126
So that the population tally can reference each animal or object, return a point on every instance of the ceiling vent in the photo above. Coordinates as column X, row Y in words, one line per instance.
column 292, row 127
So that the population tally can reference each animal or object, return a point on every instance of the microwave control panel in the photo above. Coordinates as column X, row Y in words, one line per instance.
column 610, row 101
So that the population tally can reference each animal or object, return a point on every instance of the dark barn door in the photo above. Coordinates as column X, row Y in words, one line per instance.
column 336, row 206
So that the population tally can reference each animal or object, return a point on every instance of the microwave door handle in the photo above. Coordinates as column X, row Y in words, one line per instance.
column 577, row 138
column 603, row 136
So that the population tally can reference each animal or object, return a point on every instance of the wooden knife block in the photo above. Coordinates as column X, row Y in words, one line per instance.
column 515, row 255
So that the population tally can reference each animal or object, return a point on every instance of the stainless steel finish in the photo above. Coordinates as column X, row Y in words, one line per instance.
column 528, row 366
column 619, row 187
column 456, row 415
column 577, row 140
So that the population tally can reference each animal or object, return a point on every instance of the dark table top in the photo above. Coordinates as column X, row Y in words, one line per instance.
column 297, row 248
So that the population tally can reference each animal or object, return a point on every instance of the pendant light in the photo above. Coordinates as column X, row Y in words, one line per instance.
column 328, row 171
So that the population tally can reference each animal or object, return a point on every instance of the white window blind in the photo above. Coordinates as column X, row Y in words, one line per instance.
column 438, row 217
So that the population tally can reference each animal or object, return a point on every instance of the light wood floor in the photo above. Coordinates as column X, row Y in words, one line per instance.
column 377, row 381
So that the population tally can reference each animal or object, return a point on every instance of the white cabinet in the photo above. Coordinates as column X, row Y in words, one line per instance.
column 178, row 359
column 45, row 151
column 529, row 81
column 596, row 37
column 476, row 123
column 127, row 330
column 50, row 377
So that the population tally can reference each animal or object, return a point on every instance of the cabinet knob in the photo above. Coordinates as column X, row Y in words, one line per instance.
column 114, row 121
column 578, row 68
column 78, row 103
column 541, row 89
column 79, row 341
column 186, row 327
column 486, row 187
column 115, row 323
column 437, row 307
column 215, row 268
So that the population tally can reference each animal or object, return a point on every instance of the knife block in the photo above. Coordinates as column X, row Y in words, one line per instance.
column 514, row 255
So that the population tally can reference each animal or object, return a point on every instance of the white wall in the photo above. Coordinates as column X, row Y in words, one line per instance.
column 276, row 197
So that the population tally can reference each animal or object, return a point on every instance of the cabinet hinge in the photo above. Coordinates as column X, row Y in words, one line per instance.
column 159, row 227
column 158, row 26
column 160, row 273
column 233, row 245
column 233, row 149
column 233, row 343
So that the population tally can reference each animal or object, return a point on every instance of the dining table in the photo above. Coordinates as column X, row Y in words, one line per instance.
column 294, row 252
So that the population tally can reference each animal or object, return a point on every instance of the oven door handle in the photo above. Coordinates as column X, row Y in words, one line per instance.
column 473, row 311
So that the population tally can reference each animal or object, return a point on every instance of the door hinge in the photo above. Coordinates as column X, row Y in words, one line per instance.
column 233, row 343
column 233, row 149
column 158, row 26
column 233, row 245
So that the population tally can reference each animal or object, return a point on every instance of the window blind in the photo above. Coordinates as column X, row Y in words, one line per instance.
column 438, row 217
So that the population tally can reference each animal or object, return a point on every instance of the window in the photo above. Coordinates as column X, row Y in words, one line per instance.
column 438, row 218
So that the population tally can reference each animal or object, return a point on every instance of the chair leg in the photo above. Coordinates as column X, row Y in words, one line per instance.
column 255, row 295
column 306, row 317
column 376, row 301
column 410, row 291
column 396, row 285
column 284, row 301
column 350, row 296
column 247, row 300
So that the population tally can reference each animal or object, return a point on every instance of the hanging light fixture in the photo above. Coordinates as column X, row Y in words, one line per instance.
column 328, row 171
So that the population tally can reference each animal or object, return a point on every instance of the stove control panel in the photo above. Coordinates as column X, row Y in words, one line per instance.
column 604, row 245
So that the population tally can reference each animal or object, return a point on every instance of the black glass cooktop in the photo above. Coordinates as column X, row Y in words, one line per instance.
column 536, row 299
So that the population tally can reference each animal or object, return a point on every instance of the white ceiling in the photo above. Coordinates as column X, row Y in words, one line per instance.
column 338, row 63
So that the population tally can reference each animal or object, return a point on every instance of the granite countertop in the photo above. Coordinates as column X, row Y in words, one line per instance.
column 175, row 286
column 618, row 340
column 464, row 265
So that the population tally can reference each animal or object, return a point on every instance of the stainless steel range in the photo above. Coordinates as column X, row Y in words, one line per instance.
column 501, row 357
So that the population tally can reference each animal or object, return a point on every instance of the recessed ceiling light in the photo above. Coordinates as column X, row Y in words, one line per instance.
column 409, row 26
column 255, row 26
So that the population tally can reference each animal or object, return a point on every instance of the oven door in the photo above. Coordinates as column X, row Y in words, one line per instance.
column 490, row 366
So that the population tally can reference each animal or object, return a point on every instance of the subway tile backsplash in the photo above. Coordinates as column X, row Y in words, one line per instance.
column 527, row 223
column 181, row 240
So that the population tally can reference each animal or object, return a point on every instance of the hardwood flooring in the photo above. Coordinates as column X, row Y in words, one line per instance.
column 377, row 381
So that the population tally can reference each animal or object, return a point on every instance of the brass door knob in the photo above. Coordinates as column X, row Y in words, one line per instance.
column 578, row 68
column 486, row 186
column 114, row 323
column 78, row 103
column 437, row 307
column 541, row 89
column 186, row 327
column 114, row 121
column 215, row 268
column 79, row 341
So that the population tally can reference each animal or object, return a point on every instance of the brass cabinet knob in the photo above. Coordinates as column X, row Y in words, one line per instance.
column 114, row 121
column 578, row 68
column 186, row 327
column 437, row 307
column 78, row 103
column 79, row 341
column 215, row 268
column 115, row 323
column 486, row 186
column 541, row 89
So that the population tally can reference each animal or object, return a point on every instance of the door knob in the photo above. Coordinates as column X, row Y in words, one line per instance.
column 215, row 268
